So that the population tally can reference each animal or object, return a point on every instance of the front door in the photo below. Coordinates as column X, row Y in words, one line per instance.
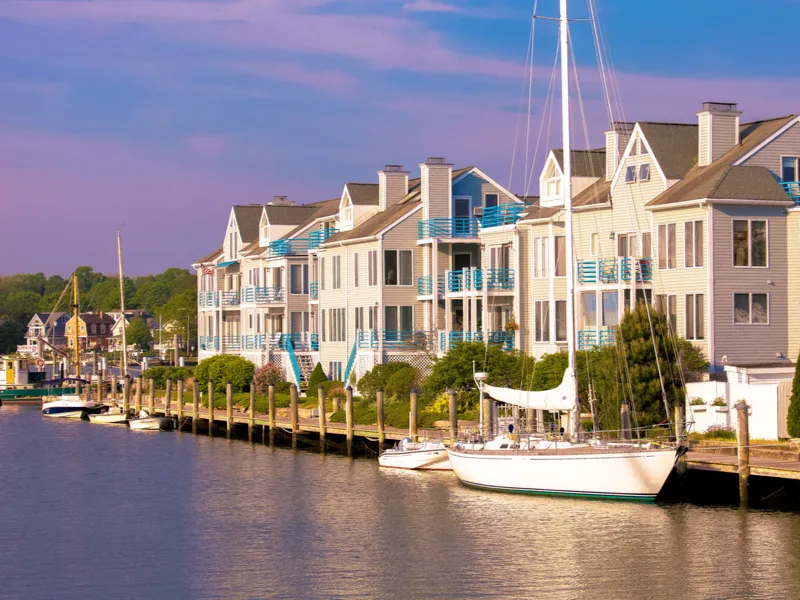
column 461, row 208
column 462, row 261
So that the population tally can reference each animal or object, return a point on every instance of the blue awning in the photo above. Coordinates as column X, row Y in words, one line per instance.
column 227, row 264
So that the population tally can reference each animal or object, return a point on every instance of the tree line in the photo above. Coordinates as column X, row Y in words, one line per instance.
column 170, row 296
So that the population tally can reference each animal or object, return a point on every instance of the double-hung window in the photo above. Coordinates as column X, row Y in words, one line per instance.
column 299, row 279
column 372, row 317
column 540, row 256
column 790, row 169
column 693, row 244
column 397, row 267
column 666, row 246
column 541, row 321
column 668, row 304
column 751, row 309
column 372, row 267
column 561, row 320
column 359, row 315
column 398, row 318
column 322, row 273
column 337, row 272
column 749, row 243
column 355, row 270
column 695, row 315
column 560, row 256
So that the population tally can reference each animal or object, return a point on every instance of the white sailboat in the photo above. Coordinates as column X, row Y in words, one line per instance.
column 519, row 463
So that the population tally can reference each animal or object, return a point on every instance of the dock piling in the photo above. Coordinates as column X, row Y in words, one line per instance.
column 195, row 405
column 251, row 421
column 271, row 413
column 210, row 408
column 625, row 420
column 680, row 421
column 349, row 417
column 126, row 394
column 337, row 405
column 413, row 419
column 180, row 399
column 743, row 443
column 113, row 387
column 452, row 404
column 322, row 420
column 152, row 396
column 381, row 432
column 168, row 397
column 229, row 406
column 100, row 388
column 137, row 405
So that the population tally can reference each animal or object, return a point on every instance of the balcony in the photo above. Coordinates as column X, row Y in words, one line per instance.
column 611, row 270
column 466, row 280
column 230, row 298
column 314, row 341
column 592, row 338
column 395, row 339
column 313, row 290
column 425, row 285
column 291, row 247
column 320, row 236
column 499, row 279
column 207, row 299
column 502, row 214
column 504, row 339
column 262, row 295
column 231, row 342
column 301, row 342
column 459, row 227
column 792, row 188
column 208, row 342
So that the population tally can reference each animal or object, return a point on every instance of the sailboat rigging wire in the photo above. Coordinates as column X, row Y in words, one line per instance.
column 530, row 89
column 528, row 60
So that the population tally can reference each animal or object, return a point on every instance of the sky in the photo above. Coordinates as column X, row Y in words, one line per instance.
column 157, row 115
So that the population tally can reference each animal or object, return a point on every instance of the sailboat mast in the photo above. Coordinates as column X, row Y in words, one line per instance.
column 124, row 369
column 77, row 316
column 567, row 183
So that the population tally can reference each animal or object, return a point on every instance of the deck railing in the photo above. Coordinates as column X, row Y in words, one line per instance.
column 209, row 342
column 499, row 279
column 320, row 236
column 503, row 338
column 464, row 280
column 290, row 247
column 591, row 338
column 502, row 214
column 612, row 270
column 457, row 227
column 313, row 290
column 207, row 299
column 262, row 295
column 230, row 298
column 792, row 188
column 395, row 339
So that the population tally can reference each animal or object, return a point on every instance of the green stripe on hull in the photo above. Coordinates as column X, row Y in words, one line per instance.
column 582, row 495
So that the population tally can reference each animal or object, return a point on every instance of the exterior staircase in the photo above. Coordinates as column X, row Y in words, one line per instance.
column 307, row 365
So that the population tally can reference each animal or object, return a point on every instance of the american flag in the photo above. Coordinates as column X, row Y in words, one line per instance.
column 207, row 270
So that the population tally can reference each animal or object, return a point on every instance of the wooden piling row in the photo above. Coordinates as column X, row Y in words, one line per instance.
column 138, row 397
column 168, row 397
column 229, row 407
column 413, row 419
column 195, row 405
column 743, row 443
column 322, row 417
column 210, row 408
column 381, row 432
column 180, row 400
column 126, row 395
column 152, row 396
column 452, row 404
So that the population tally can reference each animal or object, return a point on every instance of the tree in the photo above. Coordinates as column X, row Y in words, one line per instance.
column 11, row 335
column 269, row 374
column 139, row 334
column 88, row 278
column 454, row 369
column 152, row 295
column 223, row 368
column 378, row 378
column 180, row 313
column 793, row 419
column 317, row 377
column 20, row 306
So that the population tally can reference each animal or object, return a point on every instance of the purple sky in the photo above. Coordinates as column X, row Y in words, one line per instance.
column 160, row 114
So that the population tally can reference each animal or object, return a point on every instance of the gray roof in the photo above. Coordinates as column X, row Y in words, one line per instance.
column 210, row 257
column 674, row 146
column 288, row 215
column 722, row 180
column 363, row 194
column 585, row 163
column 598, row 192
column 322, row 209
column 248, row 217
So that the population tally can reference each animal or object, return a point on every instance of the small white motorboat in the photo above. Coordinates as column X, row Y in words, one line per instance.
column 147, row 423
column 428, row 455
column 113, row 416
column 69, row 407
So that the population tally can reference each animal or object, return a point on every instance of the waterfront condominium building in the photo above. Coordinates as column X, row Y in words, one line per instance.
column 698, row 218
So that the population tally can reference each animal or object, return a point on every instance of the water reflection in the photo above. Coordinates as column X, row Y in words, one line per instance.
column 178, row 515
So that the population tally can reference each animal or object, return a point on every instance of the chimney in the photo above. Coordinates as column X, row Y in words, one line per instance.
column 616, row 140
column 436, row 182
column 281, row 201
column 718, row 131
column 392, row 186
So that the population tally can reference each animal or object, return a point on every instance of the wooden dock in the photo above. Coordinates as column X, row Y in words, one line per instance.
column 763, row 467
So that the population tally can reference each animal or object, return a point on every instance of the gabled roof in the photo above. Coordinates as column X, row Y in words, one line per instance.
column 585, row 163
column 721, row 177
column 322, row 209
column 91, row 318
column 363, row 194
column 598, row 192
column 287, row 215
column 674, row 146
column 211, row 257
column 247, row 218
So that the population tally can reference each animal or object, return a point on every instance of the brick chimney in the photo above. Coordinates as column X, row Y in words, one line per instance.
column 392, row 186
column 281, row 201
column 616, row 140
column 718, row 131
column 437, row 188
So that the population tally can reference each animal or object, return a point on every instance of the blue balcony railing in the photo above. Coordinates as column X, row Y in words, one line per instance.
column 612, row 270
column 464, row 280
column 591, row 338
column 314, row 341
column 290, row 247
column 207, row 299
column 792, row 188
column 320, row 236
column 313, row 290
column 262, row 295
column 499, row 279
column 395, row 339
column 644, row 269
column 504, row 339
column 209, row 342
column 458, row 227
column 231, row 342
column 425, row 285
column 299, row 341
column 230, row 298
column 502, row 214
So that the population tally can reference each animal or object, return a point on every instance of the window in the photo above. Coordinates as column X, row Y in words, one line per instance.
column 647, row 251
column 322, row 273
column 251, row 322
column 749, row 243
column 491, row 200
column 552, row 183
column 635, row 147
column 693, row 244
column 642, row 147
column 790, row 168
column 626, row 244
column 666, row 246
column 372, row 317
column 298, row 322
column 322, row 325
column 397, row 267
column 561, row 256
column 335, row 370
column 594, row 244
column 359, row 318
column 630, row 174
column 540, row 256
column 299, row 279
column 398, row 318
column 372, row 267
column 336, row 262
column 644, row 172
column 355, row 270
column 751, row 309
column 336, row 325
column 94, row 328
column 695, row 317
column 610, row 309
column 669, row 306
column 561, row 320
column 541, row 321
column 589, row 309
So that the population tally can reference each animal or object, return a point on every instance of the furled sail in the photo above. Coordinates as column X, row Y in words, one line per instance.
column 560, row 398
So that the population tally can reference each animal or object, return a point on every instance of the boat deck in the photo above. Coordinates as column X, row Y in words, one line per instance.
column 581, row 450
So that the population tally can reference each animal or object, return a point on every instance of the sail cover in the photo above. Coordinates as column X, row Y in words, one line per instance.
column 561, row 398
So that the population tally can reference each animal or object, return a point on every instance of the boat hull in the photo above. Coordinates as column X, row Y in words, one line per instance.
column 152, row 424
column 422, row 460
column 69, row 409
column 109, row 418
column 634, row 475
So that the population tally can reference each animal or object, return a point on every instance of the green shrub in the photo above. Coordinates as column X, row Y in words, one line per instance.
column 720, row 432
column 379, row 377
column 283, row 387
column 793, row 419
column 720, row 401
column 269, row 374
column 697, row 402
column 223, row 368
column 159, row 375
column 332, row 386
column 400, row 384
column 317, row 378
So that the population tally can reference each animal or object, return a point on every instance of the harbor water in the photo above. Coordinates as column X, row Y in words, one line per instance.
column 89, row 511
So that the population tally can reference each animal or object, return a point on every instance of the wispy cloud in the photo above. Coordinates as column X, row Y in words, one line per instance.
column 430, row 6
column 329, row 80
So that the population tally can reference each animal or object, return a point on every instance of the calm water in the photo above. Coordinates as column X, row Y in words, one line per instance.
column 103, row 512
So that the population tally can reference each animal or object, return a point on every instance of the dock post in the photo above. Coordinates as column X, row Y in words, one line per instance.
column 295, row 416
column 99, row 388
column 113, row 387
column 337, row 405
column 168, row 397
column 488, row 424
column 229, row 407
column 137, row 404
column 413, row 419
column 322, row 418
column 126, row 394
column 680, row 421
column 743, row 443
column 180, row 400
column 210, row 408
column 349, row 418
column 530, row 420
column 381, row 432
column 251, row 423
column 152, row 396
column 195, row 405
column 625, row 420
column 452, row 404
column 271, row 412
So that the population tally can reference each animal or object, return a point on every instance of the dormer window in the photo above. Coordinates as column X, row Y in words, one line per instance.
column 630, row 174
column 644, row 172
column 553, row 183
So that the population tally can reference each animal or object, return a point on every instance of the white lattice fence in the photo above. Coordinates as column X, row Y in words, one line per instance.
column 421, row 361
column 277, row 359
